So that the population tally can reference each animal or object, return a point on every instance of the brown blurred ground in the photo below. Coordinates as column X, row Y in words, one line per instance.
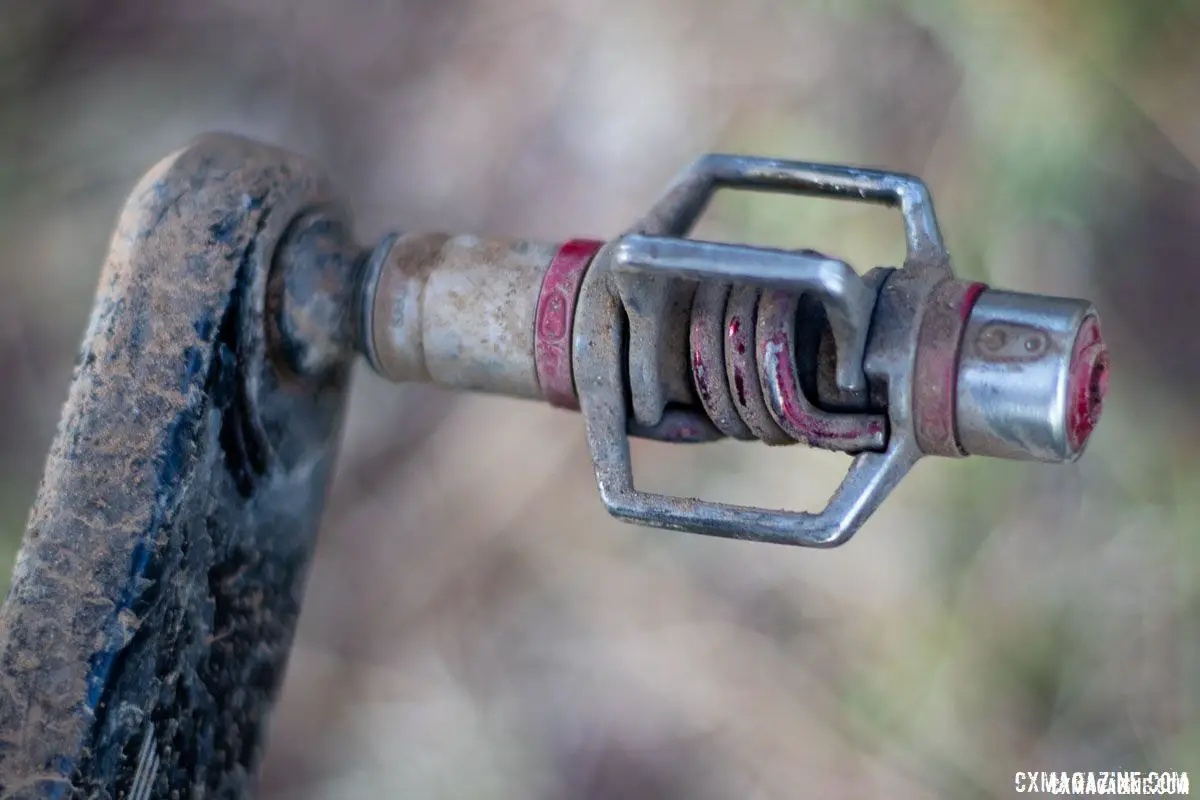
column 475, row 626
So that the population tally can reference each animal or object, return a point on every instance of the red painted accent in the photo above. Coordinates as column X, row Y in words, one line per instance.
column 735, row 328
column 818, row 429
column 935, row 378
column 1088, row 383
column 556, row 320
column 739, row 340
column 968, row 301
column 680, row 433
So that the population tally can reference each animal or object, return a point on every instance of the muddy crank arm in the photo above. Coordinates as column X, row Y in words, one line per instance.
column 157, row 589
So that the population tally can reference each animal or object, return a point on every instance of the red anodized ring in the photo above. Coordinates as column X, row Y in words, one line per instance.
column 935, row 373
column 556, row 320
column 1087, row 385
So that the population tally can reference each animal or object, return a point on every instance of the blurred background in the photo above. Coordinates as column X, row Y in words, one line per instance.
column 475, row 626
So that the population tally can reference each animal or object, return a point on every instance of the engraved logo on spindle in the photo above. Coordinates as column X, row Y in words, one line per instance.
column 1011, row 343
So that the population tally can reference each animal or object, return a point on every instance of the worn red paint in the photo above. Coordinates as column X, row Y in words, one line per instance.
column 968, row 302
column 737, row 339
column 735, row 329
column 1088, row 383
column 935, row 379
column 851, row 431
column 700, row 375
column 680, row 428
column 683, row 433
column 555, row 320
column 739, row 383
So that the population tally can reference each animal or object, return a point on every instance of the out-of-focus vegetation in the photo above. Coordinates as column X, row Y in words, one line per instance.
column 475, row 626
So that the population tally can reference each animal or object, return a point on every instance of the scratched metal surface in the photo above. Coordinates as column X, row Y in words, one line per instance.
column 155, row 595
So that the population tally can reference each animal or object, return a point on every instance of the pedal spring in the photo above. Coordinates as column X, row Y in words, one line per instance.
column 750, row 364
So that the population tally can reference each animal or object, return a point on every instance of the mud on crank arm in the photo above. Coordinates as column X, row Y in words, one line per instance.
column 157, row 589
